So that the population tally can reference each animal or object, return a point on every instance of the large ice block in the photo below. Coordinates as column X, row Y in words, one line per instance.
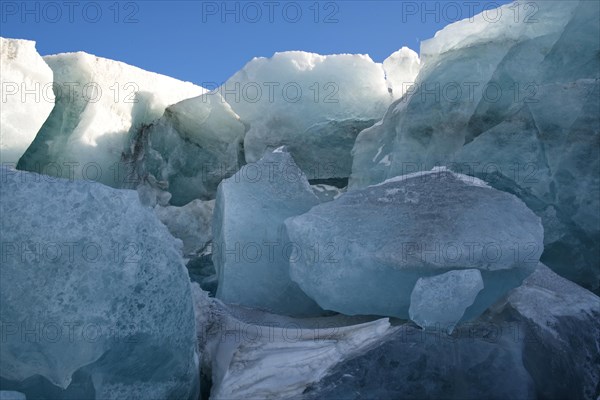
column 316, row 105
column 92, row 285
column 196, row 144
column 100, row 105
column 250, row 248
column 364, row 252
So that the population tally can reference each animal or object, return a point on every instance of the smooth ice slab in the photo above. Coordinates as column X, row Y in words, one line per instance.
column 27, row 96
column 440, row 301
column 98, row 286
column 251, row 249
column 375, row 243
column 100, row 105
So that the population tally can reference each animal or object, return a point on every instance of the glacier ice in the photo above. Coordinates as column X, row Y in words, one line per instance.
column 190, row 223
column 515, row 104
column 315, row 105
column 411, row 364
column 540, row 341
column 364, row 252
column 27, row 97
column 250, row 246
column 99, row 106
column 401, row 70
column 441, row 300
column 191, row 148
column 106, row 292
column 560, row 334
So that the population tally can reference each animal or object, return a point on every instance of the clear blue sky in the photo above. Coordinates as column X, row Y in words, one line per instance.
column 207, row 41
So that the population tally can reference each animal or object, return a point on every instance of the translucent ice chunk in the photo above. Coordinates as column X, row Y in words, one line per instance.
column 440, row 301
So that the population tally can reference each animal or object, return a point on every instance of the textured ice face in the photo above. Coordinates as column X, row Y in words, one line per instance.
column 191, row 223
column 316, row 105
column 515, row 103
column 375, row 243
column 251, row 249
column 92, row 283
column 27, row 96
column 440, row 301
column 196, row 144
column 100, row 103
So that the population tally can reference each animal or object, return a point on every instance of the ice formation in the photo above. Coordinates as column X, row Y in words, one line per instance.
column 440, row 301
column 372, row 245
column 107, row 295
column 192, row 224
column 196, row 144
column 514, row 102
column 251, row 249
column 100, row 105
column 26, row 96
column 401, row 70
column 325, row 203
column 315, row 105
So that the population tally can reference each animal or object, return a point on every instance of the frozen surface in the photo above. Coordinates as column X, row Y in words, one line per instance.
column 514, row 102
column 440, row 301
column 375, row 243
column 316, row 105
column 251, row 249
column 196, row 144
column 100, row 105
column 106, row 291
column 26, row 98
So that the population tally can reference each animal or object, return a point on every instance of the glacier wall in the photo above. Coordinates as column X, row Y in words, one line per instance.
column 100, row 103
column 514, row 103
